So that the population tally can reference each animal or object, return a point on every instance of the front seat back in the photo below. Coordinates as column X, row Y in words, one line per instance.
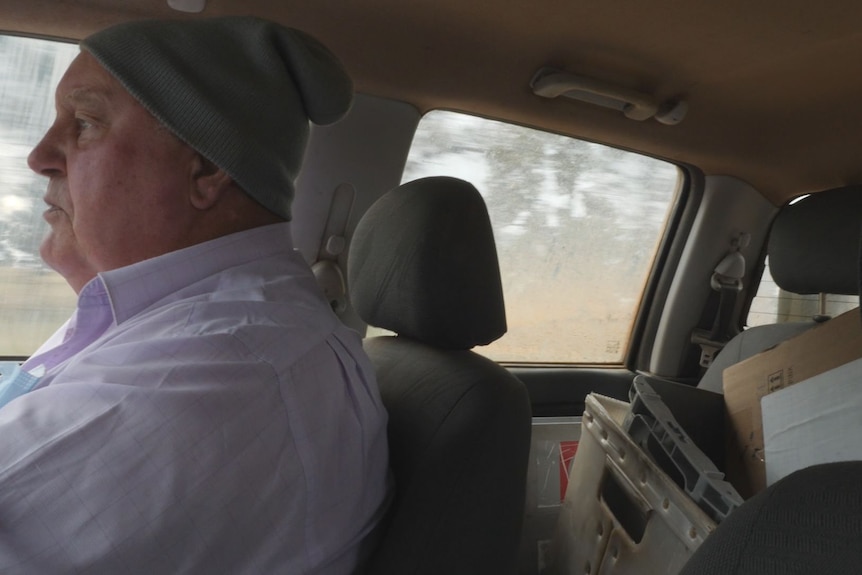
column 423, row 264
column 813, row 248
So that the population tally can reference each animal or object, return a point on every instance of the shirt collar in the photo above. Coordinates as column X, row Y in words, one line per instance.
column 134, row 288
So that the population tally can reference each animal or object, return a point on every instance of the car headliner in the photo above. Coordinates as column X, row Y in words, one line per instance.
column 773, row 86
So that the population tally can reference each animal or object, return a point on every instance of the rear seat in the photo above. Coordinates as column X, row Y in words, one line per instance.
column 813, row 248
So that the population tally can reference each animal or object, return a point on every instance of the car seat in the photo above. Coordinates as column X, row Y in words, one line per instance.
column 813, row 248
column 423, row 264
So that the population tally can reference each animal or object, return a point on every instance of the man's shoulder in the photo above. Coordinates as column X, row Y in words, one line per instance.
column 263, row 327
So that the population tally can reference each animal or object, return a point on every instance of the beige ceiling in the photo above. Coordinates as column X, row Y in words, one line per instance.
column 774, row 87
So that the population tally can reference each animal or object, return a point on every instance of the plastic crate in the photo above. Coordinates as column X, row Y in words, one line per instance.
column 622, row 513
column 553, row 445
column 654, row 427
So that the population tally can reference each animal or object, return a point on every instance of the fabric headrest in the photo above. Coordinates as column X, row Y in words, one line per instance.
column 423, row 264
column 814, row 243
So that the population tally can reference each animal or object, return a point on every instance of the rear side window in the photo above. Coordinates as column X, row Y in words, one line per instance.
column 775, row 305
column 577, row 226
column 34, row 300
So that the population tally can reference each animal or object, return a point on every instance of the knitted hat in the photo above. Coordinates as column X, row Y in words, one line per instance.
column 240, row 91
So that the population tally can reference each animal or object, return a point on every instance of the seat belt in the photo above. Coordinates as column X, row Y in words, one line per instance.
column 326, row 269
column 727, row 281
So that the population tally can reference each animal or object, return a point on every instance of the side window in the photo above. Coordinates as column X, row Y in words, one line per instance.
column 34, row 300
column 577, row 227
column 774, row 305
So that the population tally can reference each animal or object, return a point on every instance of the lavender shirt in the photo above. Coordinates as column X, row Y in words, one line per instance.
column 202, row 412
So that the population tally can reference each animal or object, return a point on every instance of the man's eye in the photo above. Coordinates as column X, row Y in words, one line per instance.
column 83, row 124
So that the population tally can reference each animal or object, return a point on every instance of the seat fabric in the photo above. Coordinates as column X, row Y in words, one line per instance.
column 809, row 522
column 423, row 264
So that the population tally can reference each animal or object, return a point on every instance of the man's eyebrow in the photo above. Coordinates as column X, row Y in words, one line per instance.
column 81, row 96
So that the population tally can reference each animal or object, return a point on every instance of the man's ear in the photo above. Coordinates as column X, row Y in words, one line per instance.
column 209, row 183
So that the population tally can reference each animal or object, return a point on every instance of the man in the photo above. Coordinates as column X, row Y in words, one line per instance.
column 203, row 411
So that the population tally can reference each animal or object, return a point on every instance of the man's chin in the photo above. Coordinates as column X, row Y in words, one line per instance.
column 66, row 261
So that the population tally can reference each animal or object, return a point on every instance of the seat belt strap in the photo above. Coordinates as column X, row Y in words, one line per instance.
column 326, row 269
column 727, row 281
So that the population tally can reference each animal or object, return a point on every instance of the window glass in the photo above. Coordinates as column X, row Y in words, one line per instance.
column 34, row 300
column 774, row 305
column 577, row 227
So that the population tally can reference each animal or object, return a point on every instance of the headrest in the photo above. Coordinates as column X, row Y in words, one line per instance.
column 423, row 264
column 814, row 243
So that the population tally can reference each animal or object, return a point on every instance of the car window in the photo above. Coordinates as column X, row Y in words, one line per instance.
column 772, row 304
column 34, row 300
column 577, row 226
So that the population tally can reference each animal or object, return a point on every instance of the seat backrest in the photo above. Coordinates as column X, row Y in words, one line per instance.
column 423, row 264
column 813, row 248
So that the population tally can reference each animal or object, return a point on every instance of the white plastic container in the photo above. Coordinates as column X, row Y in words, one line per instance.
column 622, row 515
column 554, row 439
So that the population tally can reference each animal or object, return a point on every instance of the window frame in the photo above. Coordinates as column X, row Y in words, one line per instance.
column 644, row 319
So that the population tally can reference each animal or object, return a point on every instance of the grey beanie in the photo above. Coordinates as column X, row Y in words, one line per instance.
column 240, row 91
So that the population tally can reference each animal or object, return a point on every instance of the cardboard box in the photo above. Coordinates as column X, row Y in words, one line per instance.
column 814, row 422
column 811, row 353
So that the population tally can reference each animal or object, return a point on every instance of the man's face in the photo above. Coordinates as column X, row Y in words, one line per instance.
column 118, row 181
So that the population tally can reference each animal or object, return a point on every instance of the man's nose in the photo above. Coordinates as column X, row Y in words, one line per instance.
column 47, row 158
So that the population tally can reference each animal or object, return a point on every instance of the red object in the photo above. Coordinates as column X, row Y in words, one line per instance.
column 567, row 455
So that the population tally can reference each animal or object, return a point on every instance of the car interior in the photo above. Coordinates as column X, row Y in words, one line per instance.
column 528, row 205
